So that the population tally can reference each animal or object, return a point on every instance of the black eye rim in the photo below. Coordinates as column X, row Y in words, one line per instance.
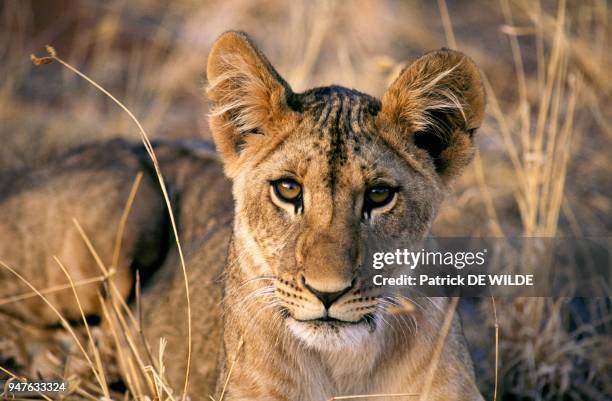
column 370, row 205
column 279, row 195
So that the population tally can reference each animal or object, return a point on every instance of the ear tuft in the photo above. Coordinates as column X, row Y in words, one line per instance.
column 436, row 104
column 246, row 92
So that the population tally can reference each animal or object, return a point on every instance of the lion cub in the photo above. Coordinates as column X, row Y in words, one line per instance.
column 320, row 181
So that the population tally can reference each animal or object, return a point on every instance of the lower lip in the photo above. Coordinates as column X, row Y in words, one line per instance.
column 336, row 322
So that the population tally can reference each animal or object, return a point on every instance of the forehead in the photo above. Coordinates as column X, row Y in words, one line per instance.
column 336, row 137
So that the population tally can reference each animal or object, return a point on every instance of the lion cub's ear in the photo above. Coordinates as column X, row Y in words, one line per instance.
column 436, row 104
column 247, row 95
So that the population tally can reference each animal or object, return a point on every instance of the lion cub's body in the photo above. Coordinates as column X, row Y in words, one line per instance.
column 281, row 291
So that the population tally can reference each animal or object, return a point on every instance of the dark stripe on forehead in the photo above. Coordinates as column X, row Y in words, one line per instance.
column 318, row 101
column 322, row 111
column 356, row 120
column 338, row 129
column 340, row 116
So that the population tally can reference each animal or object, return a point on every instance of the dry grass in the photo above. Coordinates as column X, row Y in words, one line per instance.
column 143, row 377
column 543, row 169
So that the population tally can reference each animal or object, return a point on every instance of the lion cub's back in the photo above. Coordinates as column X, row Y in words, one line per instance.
column 37, row 212
column 92, row 184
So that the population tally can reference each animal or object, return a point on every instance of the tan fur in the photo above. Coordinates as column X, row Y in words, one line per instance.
column 37, row 209
column 253, row 270
column 275, row 253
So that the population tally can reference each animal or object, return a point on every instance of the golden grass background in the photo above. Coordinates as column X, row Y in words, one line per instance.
column 544, row 163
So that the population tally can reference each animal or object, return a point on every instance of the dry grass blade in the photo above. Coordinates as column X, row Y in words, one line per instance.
column 487, row 198
column 143, row 337
column 117, row 249
column 147, row 143
column 161, row 386
column 124, row 217
column 229, row 373
column 103, row 383
column 115, row 299
column 56, row 288
column 90, row 246
column 446, row 22
column 516, row 54
column 8, row 372
column 132, row 380
column 62, row 319
column 433, row 365
column 496, row 348
column 498, row 114
column 316, row 39
column 587, row 53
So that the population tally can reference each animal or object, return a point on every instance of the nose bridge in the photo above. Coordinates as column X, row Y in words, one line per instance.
column 329, row 255
column 321, row 210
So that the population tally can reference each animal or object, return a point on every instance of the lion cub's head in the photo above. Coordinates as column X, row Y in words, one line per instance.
column 324, row 178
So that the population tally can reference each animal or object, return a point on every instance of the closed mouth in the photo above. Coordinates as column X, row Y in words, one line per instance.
column 367, row 319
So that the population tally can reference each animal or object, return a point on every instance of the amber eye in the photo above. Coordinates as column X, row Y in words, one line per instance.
column 287, row 190
column 378, row 196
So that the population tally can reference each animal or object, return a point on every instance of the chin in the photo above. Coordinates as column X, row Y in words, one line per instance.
column 332, row 335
